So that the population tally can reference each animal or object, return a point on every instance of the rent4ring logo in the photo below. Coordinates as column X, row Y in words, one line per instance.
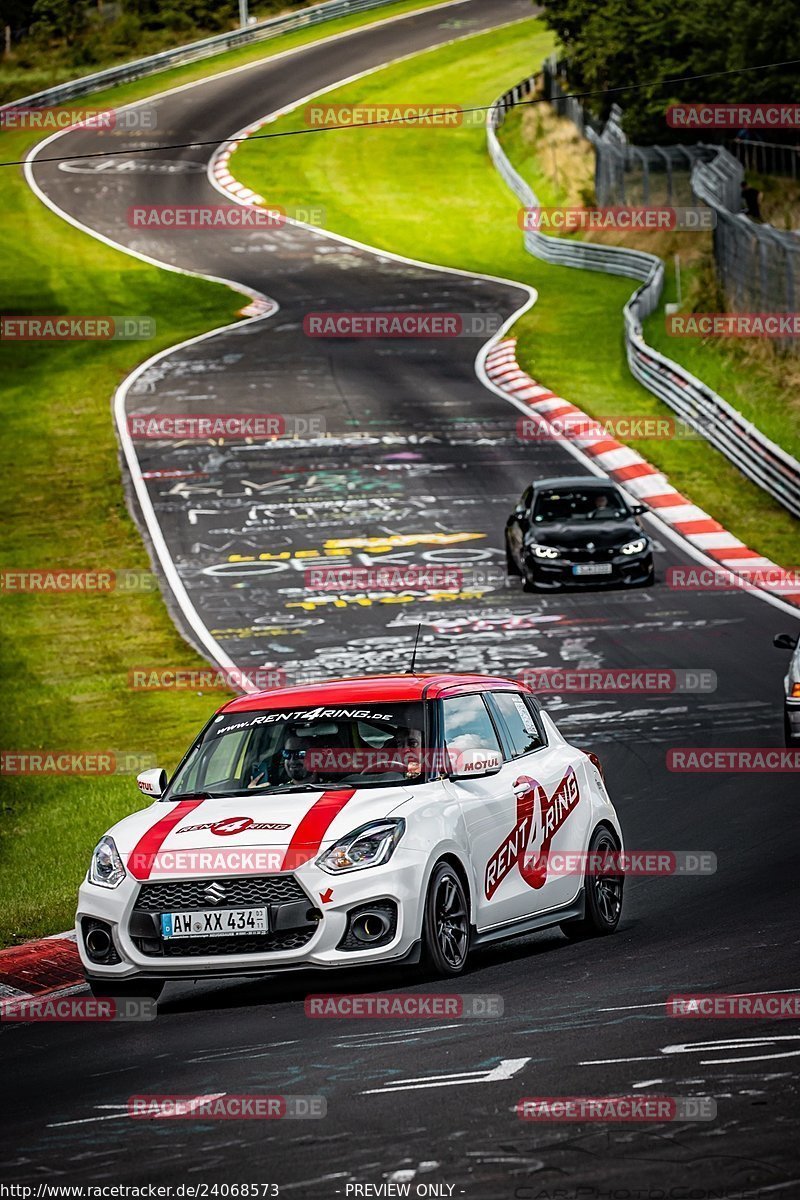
column 537, row 818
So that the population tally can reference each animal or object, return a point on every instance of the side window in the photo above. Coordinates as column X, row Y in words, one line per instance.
column 220, row 759
column 525, row 499
column 519, row 721
column 467, row 724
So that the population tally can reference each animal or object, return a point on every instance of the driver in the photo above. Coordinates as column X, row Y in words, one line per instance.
column 294, row 754
column 600, row 502
column 292, row 760
column 408, row 759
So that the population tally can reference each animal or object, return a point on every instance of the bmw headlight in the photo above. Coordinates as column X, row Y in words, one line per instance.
column 368, row 846
column 106, row 869
column 545, row 551
column 634, row 547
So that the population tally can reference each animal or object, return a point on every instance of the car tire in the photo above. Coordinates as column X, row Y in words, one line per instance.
column 143, row 989
column 602, row 894
column 789, row 738
column 511, row 567
column 445, row 923
column 528, row 584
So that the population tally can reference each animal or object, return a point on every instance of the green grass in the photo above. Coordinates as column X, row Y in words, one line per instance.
column 65, row 657
column 752, row 375
column 432, row 194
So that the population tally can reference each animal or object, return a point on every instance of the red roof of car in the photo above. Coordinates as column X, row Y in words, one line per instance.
column 373, row 688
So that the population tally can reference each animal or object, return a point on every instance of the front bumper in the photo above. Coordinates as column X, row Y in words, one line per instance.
column 792, row 710
column 308, row 912
column 635, row 570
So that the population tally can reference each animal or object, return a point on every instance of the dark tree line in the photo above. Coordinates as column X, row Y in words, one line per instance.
column 612, row 43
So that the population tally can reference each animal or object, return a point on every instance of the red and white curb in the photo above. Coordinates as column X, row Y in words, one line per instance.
column 37, row 968
column 220, row 169
column 626, row 467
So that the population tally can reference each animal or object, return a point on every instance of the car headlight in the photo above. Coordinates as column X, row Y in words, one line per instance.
column 368, row 846
column 545, row 551
column 634, row 547
column 106, row 869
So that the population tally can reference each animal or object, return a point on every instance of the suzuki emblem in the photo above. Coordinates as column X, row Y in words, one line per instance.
column 214, row 893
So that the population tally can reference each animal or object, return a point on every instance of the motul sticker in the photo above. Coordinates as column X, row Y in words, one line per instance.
column 231, row 825
column 538, row 819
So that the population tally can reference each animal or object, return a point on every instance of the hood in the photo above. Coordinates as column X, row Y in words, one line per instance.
column 577, row 534
column 289, row 828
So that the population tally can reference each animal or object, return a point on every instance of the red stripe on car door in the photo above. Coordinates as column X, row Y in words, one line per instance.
column 143, row 855
column 307, row 838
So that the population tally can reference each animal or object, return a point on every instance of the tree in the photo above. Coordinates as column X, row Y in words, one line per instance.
column 59, row 19
column 615, row 43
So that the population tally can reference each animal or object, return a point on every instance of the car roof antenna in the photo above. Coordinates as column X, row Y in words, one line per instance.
column 414, row 652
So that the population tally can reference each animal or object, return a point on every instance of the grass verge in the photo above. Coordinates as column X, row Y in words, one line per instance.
column 759, row 381
column 66, row 657
column 432, row 194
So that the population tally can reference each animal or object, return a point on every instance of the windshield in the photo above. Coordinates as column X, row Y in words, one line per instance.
column 579, row 504
column 279, row 750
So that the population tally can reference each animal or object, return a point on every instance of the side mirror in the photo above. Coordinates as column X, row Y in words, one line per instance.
column 472, row 764
column 784, row 641
column 153, row 782
column 520, row 510
column 638, row 509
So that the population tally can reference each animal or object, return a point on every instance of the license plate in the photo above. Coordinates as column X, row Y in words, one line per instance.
column 216, row 922
column 592, row 569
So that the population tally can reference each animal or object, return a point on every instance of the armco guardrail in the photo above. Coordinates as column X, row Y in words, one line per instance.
column 726, row 429
column 126, row 72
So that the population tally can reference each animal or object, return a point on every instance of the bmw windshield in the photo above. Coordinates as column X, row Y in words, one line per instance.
column 279, row 750
column 579, row 504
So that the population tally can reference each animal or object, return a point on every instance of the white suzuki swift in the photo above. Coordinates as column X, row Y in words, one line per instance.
column 376, row 820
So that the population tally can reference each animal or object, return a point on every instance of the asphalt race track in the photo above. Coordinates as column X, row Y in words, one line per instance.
column 417, row 452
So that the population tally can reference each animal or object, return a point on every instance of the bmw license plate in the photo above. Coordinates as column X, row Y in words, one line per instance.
column 217, row 922
column 592, row 569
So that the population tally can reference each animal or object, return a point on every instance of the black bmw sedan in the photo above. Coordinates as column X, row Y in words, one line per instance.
column 577, row 532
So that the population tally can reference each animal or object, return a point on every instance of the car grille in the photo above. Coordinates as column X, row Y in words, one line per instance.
column 580, row 554
column 242, row 892
column 291, row 939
